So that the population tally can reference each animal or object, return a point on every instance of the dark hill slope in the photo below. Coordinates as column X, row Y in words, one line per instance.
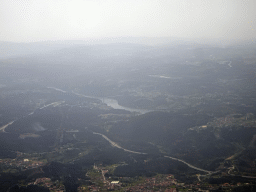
column 157, row 127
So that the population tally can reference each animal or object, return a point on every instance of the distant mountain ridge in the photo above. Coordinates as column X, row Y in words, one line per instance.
column 10, row 49
column 13, row 49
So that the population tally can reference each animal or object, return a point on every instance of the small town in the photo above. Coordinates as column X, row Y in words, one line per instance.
column 22, row 164
column 160, row 182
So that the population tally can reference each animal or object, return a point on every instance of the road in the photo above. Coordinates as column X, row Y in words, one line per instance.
column 118, row 146
column 173, row 158
column 209, row 173
column 54, row 104
column 230, row 64
column 5, row 126
column 230, row 169
column 191, row 166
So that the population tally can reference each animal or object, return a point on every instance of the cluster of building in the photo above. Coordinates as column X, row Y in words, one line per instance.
column 49, row 184
column 23, row 136
column 166, row 184
column 22, row 163
column 224, row 121
column 245, row 121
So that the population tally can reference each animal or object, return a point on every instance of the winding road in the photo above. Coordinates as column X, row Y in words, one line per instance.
column 113, row 144
column 5, row 126
column 118, row 146
column 54, row 104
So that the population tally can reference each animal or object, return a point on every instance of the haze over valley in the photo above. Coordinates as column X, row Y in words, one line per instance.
column 191, row 106
column 127, row 96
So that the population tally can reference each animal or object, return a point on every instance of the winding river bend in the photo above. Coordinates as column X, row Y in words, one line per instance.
column 108, row 101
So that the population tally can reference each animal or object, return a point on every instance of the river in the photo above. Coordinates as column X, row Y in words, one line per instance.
column 114, row 104
column 108, row 101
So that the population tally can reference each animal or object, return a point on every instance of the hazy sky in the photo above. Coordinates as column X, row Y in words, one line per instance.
column 39, row 20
